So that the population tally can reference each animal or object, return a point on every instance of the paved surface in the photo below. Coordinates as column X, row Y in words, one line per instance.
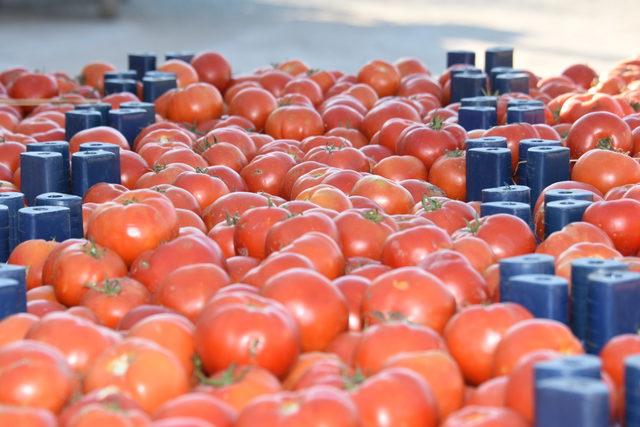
column 548, row 34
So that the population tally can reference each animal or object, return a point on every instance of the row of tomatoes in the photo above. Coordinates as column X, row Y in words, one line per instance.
column 292, row 246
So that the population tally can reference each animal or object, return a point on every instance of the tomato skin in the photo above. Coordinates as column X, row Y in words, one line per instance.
column 409, row 247
column 363, row 232
column 490, row 393
column 294, row 122
column 383, row 77
column 32, row 254
column 448, row 172
column 619, row 219
column 33, row 85
column 15, row 327
column 606, row 169
column 264, row 335
column 112, row 299
column 391, row 197
column 376, row 118
column 394, row 397
column 318, row 406
column 35, row 374
column 196, row 103
column 26, row 417
column 134, row 222
column 198, row 405
column 599, row 130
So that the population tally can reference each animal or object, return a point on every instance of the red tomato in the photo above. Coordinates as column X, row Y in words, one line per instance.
column 92, row 74
column 33, row 85
column 198, row 405
column 112, row 299
column 392, row 197
column 319, row 406
column 618, row 218
column 531, row 335
column 132, row 366
column 32, row 254
column 363, row 232
column 606, row 169
column 484, row 416
column 36, row 375
column 409, row 294
column 195, row 104
column 614, row 354
column 15, row 327
column 376, row 118
column 490, row 393
column 260, row 332
column 396, row 397
column 255, row 104
column 576, row 232
column 185, row 73
column 582, row 75
column 133, row 223
column 383, row 77
column 26, row 417
column 427, row 143
column 212, row 68
column 409, row 247
column 599, row 129
column 448, row 172
column 98, row 134
column 473, row 334
column 294, row 122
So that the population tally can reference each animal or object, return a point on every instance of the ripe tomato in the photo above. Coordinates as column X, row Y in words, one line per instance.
column 255, row 104
column 383, row 77
column 318, row 307
column 399, row 168
column 476, row 251
column 252, row 228
column 451, row 215
column 618, row 218
column 376, row 118
column 473, row 334
column 582, row 75
column 15, row 327
column 409, row 294
column 490, row 393
column 576, row 232
column 599, row 129
column 266, row 172
column 260, row 332
column 294, row 122
column 531, row 335
column 194, row 104
column 32, row 254
column 79, row 340
column 92, row 74
column 111, row 299
column 132, row 366
column 26, row 417
column 98, row 134
column 391, row 197
column 448, row 172
column 33, row 85
column 133, row 223
column 381, row 342
column 363, row 232
column 212, row 68
column 606, row 169
column 36, row 375
column 440, row 372
column 318, row 406
column 396, row 397
column 578, row 105
column 427, row 142
column 185, row 73
column 485, row 416
column 409, row 247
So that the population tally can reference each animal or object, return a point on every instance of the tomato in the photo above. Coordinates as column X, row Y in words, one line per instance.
column 33, row 85
column 521, row 383
column 255, row 104
column 10, row 154
column 26, row 417
column 198, row 405
column 15, row 327
column 111, row 299
column 78, row 265
column 239, row 385
column 212, row 68
column 132, row 167
column 196, row 103
column 618, row 218
column 138, row 313
column 576, row 232
column 132, row 366
column 507, row 235
column 79, row 340
column 103, row 414
column 577, row 106
column 98, row 134
column 531, row 335
column 409, row 247
column 319, row 406
column 398, row 168
column 606, row 169
column 582, row 75
column 615, row 352
column 323, row 252
column 451, row 215
column 274, row 264
column 251, row 230
column 383, row 77
column 485, row 416
column 318, row 307
column 266, row 172
column 476, row 251
column 363, row 232
column 185, row 73
column 583, row 250
column 382, row 341
column 514, row 132
column 294, row 122
column 259, row 332
column 458, row 276
column 409, row 294
column 92, row 74
column 36, row 375
column 473, row 334
column 287, row 230
column 599, row 129
column 376, row 118
column 133, row 222
column 427, row 143
column 32, row 254
column 396, row 397
column 448, row 172
column 490, row 393
column 392, row 197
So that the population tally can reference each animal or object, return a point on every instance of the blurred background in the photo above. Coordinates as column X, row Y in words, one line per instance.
column 548, row 35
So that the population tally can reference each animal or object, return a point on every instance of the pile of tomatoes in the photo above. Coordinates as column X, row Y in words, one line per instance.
column 292, row 246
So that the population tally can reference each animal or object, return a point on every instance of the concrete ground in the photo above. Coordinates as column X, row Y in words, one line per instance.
column 548, row 34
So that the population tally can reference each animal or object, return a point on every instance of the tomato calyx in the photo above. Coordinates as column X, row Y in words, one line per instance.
column 201, row 170
column 229, row 376
column 605, row 143
column 436, row 123
column 429, row 204
column 373, row 215
column 109, row 287
column 454, row 153
column 203, row 146
column 390, row 317
column 474, row 225
column 158, row 167
column 635, row 106
column 93, row 250
column 231, row 220
column 351, row 382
